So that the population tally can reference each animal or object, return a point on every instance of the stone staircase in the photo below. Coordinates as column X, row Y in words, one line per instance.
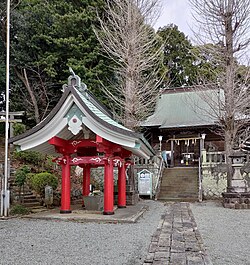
column 27, row 197
column 179, row 184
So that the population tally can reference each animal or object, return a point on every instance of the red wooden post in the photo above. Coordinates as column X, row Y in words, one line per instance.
column 122, row 186
column 108, row 189
column 86, row 180
column 65, row 196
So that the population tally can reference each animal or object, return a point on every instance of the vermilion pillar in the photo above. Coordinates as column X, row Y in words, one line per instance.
column 122, row 186
column 108, row 188
column 65, row 196
column 86, row 180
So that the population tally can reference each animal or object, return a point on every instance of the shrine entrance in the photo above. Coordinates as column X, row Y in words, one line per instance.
column 80, row 131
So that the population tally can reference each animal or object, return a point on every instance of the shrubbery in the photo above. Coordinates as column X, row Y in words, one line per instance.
column 18, row 128
column 31, row 157
column 41, row 180
column 37, row 160
column 19, row 209
column 21, row 175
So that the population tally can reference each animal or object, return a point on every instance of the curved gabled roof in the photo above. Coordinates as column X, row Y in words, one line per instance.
column 76, row 111
column 182, row 108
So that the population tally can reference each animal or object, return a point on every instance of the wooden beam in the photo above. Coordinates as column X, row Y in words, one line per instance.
column 58, row 142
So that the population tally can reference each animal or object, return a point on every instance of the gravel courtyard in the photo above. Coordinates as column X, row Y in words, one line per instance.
column 50, row 242
column 225, row 232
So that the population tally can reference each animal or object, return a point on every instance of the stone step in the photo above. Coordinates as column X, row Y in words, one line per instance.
column 179, row 184
column 29, row 200
column 177, row 199
column 181, row 193
column 31, row 204
column 178, row 194
column 30, row 196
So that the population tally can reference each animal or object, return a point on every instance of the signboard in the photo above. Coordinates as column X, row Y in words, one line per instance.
column 145, row 183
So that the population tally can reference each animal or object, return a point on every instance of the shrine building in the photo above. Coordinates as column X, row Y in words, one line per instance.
column 79, row 131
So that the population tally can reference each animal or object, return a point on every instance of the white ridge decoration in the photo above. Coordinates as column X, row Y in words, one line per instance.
column 117, row 162
column 75, row 143
column 97, row 159
column 75, row 159
column 75, row 125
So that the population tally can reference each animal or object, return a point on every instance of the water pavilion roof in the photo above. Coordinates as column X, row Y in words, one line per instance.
column 78, row 115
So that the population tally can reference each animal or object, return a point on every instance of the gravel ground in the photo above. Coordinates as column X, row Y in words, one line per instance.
column 225, row 232
column 49, row 242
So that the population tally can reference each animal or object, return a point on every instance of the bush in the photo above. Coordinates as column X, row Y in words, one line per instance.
column 18, row 128
column 21, row 175
column 19, row 209
column 37, row 160
column 31, row 157
column 40, row 180
column 29, row 177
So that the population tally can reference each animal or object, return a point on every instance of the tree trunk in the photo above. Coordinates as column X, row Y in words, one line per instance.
column 228, row 152
column 25, row 80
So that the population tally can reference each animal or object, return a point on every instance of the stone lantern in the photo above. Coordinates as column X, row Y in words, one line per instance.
column 238, row 183
column 238, row 197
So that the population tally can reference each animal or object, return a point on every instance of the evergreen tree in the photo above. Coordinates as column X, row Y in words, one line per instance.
column 178, row 57
column 48, row 37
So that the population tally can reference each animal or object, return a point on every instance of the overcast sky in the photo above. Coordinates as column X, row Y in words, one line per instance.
column 177, row 12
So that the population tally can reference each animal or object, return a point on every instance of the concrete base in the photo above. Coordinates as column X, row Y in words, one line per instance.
column 108, row 213
column 236, row 200
column 65, row 211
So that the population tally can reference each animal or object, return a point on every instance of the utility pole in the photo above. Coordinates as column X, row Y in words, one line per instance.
column 5, row 193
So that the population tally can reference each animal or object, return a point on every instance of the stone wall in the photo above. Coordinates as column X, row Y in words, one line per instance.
column 213, row 183
column 97, row 176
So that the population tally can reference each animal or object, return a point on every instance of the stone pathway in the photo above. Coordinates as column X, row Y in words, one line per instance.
column 177, row 240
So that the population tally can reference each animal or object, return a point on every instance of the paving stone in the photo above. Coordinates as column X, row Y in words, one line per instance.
column 192, row 246
column 207, row 260
column 157, row 232
column 177, row 240
column 187, row 224
column 164, row 242
column 194, row 259
column 149, row 258
column 160, row 262
column 177, row 246
column 177, row 236
column 155, row 239
column 152, row 247
column 166, row 249
column 161, row 255
column 178, row 259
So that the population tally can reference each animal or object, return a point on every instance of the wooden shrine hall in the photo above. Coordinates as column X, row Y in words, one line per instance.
column 83, row 133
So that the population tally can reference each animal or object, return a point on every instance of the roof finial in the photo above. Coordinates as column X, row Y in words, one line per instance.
column 72, row 72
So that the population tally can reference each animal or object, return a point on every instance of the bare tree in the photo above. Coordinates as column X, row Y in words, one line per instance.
column 225, row 24
column 127, row 36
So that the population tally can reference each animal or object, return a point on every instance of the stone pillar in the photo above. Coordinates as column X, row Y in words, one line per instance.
column 108, row 188
column 204, row 156
column 122, row 186
column 172, row 154
column 65, row 195
column 86, row 180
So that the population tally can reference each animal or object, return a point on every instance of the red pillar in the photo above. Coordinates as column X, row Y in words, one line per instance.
column 108, row 189
column 122, row 186
column 86, row 180
column 65, row 196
